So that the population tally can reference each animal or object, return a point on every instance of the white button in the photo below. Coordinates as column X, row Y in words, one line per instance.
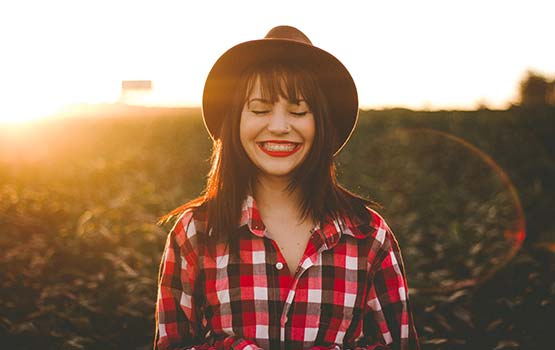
column 279, row 265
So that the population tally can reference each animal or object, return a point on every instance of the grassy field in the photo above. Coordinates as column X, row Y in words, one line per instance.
column 470, row 196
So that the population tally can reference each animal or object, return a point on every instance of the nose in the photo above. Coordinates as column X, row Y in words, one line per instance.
column 278, row 122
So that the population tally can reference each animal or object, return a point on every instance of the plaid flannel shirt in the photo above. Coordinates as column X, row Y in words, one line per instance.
column 349, row 290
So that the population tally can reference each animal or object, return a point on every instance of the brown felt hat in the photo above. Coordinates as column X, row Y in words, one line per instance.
column 282, row 43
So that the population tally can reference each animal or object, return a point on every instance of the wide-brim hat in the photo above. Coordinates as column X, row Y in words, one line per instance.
column 282, row 44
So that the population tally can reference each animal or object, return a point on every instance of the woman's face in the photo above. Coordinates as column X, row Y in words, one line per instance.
column 276, row 136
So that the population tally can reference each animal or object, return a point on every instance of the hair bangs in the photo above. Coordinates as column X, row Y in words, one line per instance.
column 278, row 80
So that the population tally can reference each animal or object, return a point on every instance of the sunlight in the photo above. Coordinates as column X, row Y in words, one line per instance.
column 61, row 55
column 26, row 110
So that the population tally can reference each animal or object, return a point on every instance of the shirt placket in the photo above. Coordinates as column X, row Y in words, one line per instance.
column 307, row 262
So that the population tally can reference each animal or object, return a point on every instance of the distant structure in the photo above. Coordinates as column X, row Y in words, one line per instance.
column 135, row 92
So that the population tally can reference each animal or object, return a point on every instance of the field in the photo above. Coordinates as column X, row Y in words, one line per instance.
column 470, row 196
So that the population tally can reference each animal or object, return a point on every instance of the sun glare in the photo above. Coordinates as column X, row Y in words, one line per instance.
column 27, row 111
column 66, row 57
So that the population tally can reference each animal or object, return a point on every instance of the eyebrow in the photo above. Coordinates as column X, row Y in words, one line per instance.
column 256, row 99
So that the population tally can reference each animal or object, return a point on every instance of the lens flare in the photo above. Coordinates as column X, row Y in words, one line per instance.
column 456, row 213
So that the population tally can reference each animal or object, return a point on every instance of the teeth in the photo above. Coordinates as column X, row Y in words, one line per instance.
column 279, row 147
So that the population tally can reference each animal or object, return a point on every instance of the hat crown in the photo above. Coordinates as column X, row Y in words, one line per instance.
column 288, row 33
column 281, row 44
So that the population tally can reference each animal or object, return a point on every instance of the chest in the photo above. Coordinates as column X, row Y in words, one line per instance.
column 290, row 242
column 248, row 295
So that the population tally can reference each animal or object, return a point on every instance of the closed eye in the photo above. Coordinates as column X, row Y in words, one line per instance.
column 300, row 114
column 260, row 112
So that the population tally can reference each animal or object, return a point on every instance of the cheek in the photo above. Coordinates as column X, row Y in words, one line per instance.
column 243, row 132
column 248, row 131
column 310, row 130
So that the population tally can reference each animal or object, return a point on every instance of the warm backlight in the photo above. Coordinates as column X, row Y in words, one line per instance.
column 429, row 54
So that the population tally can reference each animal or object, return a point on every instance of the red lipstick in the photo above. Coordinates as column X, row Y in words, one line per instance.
column 279, row 148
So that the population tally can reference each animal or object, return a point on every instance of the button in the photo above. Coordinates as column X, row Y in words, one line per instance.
column 279, row 265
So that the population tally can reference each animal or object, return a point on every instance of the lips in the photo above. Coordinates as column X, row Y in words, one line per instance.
column 279, row 148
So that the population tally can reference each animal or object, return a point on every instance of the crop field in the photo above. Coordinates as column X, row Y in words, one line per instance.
column 469, row 195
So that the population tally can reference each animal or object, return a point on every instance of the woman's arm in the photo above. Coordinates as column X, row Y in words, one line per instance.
column 388, row 321
column 179, row 322
column 176, row 308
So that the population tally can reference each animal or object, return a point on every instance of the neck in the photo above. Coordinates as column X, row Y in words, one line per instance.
column 273, row 197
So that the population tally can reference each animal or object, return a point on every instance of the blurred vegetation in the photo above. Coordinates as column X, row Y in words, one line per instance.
column 536, row 91
column 79, row 198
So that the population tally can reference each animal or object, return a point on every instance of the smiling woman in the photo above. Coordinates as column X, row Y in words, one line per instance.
column 276, row 254
column 276, row 129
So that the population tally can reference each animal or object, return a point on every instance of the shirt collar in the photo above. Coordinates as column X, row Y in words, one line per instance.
column 331, row 233
column 250, row 216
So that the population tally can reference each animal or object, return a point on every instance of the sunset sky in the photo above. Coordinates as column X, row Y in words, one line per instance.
column 414, row 54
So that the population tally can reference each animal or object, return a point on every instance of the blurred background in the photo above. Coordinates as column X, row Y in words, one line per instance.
column 101, row 133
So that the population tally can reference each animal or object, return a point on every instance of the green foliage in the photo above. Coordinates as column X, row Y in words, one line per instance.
column 79, row 199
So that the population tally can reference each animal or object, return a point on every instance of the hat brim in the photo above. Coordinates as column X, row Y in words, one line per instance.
column 336, row 82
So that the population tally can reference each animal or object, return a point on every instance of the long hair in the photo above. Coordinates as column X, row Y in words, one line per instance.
column 232, row 172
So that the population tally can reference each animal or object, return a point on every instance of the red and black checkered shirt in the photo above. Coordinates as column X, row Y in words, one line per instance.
column 349, row 291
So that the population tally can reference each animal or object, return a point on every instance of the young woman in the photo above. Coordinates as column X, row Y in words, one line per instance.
column 275, row 254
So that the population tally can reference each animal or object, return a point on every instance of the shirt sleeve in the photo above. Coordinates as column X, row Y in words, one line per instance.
column 180, row 323
column 388, row 321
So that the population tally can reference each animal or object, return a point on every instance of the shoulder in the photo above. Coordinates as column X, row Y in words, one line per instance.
column 379, row 228
column 189, row 229
column 380, row 237
column 367, row 224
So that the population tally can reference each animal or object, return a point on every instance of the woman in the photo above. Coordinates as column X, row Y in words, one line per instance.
column 276, row 254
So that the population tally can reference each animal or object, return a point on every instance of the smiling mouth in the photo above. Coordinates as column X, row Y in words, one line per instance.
column 279, row 149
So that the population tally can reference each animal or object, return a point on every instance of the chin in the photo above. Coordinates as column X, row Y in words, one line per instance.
column 276, row 173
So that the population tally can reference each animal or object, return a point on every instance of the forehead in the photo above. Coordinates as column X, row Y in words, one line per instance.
column 271, row 87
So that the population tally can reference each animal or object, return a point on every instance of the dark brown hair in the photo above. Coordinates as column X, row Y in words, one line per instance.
column 232, row 172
